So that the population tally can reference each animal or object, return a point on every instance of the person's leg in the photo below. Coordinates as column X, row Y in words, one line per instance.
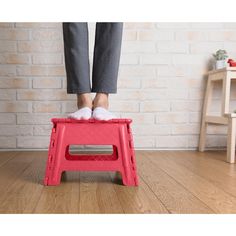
column 106, row 61
column 75, row 36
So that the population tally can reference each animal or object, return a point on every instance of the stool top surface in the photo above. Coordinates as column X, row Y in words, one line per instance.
column 69, row 120
column 231, row 115
column 228, row 68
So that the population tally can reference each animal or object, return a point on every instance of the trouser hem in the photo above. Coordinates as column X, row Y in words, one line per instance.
column 77, row 91
column 103, row 90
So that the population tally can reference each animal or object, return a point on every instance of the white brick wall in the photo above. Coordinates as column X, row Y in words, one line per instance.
column 161, row 83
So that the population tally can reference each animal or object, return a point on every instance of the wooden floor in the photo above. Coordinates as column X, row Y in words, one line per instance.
column 170, row 182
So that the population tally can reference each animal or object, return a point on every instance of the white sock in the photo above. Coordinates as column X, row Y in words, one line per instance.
column 100, row 113
column 84, row 113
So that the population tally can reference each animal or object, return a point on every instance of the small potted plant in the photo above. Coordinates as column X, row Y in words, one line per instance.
column 220, row 57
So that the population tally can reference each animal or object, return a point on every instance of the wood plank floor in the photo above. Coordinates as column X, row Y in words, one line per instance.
column 170, row 182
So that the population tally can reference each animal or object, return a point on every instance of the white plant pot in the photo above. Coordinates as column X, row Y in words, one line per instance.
column 220, row 64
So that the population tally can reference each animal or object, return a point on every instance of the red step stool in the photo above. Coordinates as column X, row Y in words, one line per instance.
column 115, row 132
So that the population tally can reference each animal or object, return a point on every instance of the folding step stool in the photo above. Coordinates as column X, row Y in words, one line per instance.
column 115, row 132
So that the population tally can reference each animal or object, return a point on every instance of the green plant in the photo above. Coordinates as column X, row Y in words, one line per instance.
column 220, row 55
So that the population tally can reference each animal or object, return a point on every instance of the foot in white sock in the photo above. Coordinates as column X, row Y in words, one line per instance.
column 84, row 113
column 100, row 113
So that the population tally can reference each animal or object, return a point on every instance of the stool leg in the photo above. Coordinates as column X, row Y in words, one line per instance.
column 202, row 139
column 206, row 106
column 225, row 94
column 57, row 168
column 126, row 173
column 231, row 140
column 60, row 147
column 128, row 180
column 55, row 178
column 128, row 177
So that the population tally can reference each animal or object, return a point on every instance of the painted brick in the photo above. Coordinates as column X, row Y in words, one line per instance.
column 154, row 83
column 205, row 47
column 7, row 118
column 7, row 46
column 6, row 25
column 207, row 25
column 137, row 71
column 188, row 59
column 177, row 93
column 216, row 129
column 177, row 83
column 7, row 70
column 47, row 59
column 39, row 46
column 129, row 35
column 44, row 130
column 172, row 25
column 138, row 47
column 16, row 130
column 171, row 117
column 37, row 25
column 170, row 70
column 216, row 141
column 14, row 83
column 56, row 71
column 14, row 34
column 14, row 106
column 172, row 47
column 229, row 25
column 46, row 34
column 47, row 82
column 139, row 118
column 139, row 25
column 36, row 119
column 196, row 83
column 129, row 59
column 8, row 142
column 33, row 142
column 7, row 94
column 185, row 129
column 144, row 141
column 47, row 107
column 222, row 35
column 160, row 35
column 154, row 106
column 191, row 35
column 44, row 94
column 142, row 94
column 175, row 141
column 14, row 59
column 32, row 70
column 151, row 129
column 128, row 83
column 196, row 94
column 191, row 106
column 69, row 107
column 124, row 106
column 230, row 46
column 195, row 117
column 193, row 141
column 155, row 59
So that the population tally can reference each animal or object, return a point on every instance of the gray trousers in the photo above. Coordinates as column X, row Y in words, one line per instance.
column 106, row 57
